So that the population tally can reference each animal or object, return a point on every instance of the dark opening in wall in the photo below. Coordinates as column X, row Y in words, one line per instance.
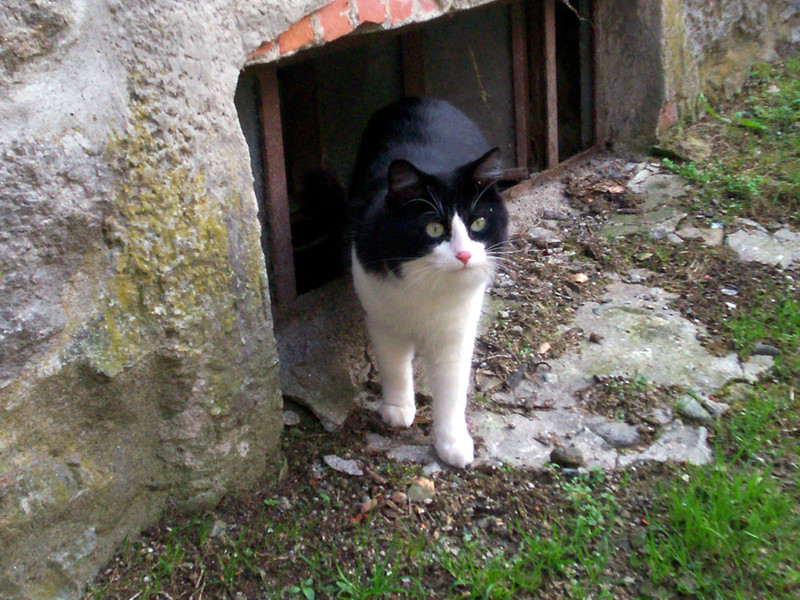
column 522, row 70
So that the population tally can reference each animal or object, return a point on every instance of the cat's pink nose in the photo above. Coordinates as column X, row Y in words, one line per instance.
column 464, row 256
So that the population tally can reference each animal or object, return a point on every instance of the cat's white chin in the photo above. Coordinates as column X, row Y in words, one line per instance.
column 456, row 450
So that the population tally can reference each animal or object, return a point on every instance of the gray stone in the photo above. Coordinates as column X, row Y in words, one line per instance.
column 570, row 457
column 290, row 418
column 709, row 236
column 690, row 408
column 763, row 349
column 346, row 466
column 544, row 238
column 135, row 321
column 781, row 249
column 677, row 443
column 617, row 435
column 713, row 407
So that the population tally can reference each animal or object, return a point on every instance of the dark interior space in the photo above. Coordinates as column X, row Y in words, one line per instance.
column 486, row 61
column 574, row 77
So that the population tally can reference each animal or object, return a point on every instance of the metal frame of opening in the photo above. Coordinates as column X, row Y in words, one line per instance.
column 527, row 77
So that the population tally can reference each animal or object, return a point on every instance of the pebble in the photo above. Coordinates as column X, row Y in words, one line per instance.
column 544, row 238
column 350, row 467
column 690, row 408
column 290, row 418
column 715, row 408
column 762, row 349
column 617, row 435
column 567, row 457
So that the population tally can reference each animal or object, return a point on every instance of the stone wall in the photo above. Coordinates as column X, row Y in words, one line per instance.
column 654, row 58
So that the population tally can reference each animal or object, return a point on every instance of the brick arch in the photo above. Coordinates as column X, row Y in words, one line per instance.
column 341, row 17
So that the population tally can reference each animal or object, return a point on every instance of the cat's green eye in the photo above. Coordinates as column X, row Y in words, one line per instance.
column 434, row 229
column 478, row 224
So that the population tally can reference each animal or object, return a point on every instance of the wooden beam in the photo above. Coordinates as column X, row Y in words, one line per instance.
column 551, row 82
column 519, row 65
column 277, row 195
column 413, row 63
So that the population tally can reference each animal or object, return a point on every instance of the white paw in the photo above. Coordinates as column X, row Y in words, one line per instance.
column 397, row 416
column 457, row 451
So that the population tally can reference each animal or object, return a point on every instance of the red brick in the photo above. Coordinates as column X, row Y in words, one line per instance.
column 263, row 49
column 400, row 10
column 335, row 19
column 429, row 6
column 298, row 35
column 371, row 11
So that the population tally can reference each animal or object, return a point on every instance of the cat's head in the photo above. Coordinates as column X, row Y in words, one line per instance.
column 453, row 222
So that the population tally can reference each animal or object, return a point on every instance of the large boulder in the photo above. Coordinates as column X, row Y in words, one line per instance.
column 138, row 367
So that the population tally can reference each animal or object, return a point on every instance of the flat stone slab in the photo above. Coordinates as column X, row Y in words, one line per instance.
column 781, row 248
column 639, row 336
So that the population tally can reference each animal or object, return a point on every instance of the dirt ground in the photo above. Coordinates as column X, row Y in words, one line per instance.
column 319, row 520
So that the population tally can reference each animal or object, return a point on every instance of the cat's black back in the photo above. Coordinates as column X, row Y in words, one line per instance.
column 452, row 166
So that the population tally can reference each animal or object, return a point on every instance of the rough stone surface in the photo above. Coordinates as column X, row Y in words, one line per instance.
column 781, row 248
column 137, row 360
column 617, row 435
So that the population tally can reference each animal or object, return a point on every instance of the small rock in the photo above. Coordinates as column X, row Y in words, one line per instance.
column 715, row 408
column 544, row 238
column 349, row 467
column 432, row 468
column 690, row 408
column 284, row 504
column 290, row 418
column 674, row 239
column 503, row 314
column 728, row 291
column 398, row 497
column 579, row 278
column 543, row 348
column 662, row 416
column 421, row 491
column 567, row 457
column 762, row 349
column 617, row 435
column 218, row 528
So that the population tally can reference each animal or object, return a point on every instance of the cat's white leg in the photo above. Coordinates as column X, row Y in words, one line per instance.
column 447, row 365
column 397, row 378
column 447, row 369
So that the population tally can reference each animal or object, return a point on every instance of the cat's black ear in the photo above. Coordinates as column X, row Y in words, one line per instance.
column 405, row 181
column 487, row 170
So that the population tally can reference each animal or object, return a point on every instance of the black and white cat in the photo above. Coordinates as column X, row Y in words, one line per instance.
column 429, row 227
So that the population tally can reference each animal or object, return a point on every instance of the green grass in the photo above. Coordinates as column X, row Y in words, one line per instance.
column 730, row 529
column 756, row 172
column 576, row 549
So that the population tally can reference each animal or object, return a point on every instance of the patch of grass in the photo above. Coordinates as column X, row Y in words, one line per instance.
column 730, row 529
column 773, row 320
column 755, row 171
column 575, row 548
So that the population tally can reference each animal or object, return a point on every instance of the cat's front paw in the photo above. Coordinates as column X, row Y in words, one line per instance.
column 457, row 451
column 397, row 416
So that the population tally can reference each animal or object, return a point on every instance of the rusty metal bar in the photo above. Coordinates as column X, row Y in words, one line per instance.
column 277, row 195
column 550, row 82
column 413, row 63
column 519, row 65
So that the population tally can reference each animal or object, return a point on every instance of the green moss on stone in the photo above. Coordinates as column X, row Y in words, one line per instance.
column 173, row 277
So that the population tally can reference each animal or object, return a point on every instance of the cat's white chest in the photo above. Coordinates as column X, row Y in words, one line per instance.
column 421, row 304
